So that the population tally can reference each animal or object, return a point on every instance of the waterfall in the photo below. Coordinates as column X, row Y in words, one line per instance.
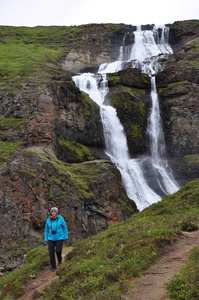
column 136, row 173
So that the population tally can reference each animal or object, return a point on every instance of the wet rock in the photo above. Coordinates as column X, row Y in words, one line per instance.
column 133, row 77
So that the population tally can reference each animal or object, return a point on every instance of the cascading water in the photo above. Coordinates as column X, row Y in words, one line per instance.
column 145, row 55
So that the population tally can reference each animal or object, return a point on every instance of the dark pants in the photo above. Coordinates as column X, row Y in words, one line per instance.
column 51, row 248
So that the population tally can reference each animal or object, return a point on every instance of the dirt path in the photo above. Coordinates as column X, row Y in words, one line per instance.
column 41, row 148
column 37, row 285
column 152, row 287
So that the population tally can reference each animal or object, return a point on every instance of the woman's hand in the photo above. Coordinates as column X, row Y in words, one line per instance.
column 46, row 243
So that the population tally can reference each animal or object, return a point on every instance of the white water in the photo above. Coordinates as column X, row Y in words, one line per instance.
column 144, row 54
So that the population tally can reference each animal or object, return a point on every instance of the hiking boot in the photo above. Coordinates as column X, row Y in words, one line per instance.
column 53, row 269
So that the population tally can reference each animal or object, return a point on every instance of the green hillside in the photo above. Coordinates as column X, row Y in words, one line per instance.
column 26, row 50
column 106, row 266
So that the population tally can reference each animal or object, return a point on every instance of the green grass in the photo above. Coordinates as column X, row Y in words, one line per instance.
column 13, row 284
column 185, row 285
column 25, row 50
column 106, row 266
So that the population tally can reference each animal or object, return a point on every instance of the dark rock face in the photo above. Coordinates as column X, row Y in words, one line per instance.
column 132, row 77
column 182, row 32
column 180, row 113
column 130, row 96
column 131, row 111
column 172, row 75
column 31, row 184
column 178, row 94
column 77, row 117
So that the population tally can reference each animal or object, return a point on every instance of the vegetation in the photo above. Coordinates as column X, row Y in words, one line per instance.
column 13, row 284
column 6, row 123
column 172, row 85
column 185, row 285
column 113, row 79
column 73, row 151
column 80, row 181
column 192, row 160
column 7, row 149
column 25, row 50
column 26, row 175
column 105, row 266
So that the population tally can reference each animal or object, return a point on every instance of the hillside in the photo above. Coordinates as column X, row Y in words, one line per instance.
column 107, row 265
column 52, row 153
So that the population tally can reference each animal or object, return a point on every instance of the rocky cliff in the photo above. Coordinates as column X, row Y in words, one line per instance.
column 51, row 137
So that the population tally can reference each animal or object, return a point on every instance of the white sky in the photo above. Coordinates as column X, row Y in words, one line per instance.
column 77, row 12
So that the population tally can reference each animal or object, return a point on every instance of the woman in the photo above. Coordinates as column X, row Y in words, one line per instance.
column 55, row 233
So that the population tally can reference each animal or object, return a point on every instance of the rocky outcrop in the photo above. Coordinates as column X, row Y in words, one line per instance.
column 77, row 117
column 129, row 95
column 182, row 32
column 178, row 93
column 57, row 108
column 89, row 195
column 180, row 113
column 99, row 44
column 133, row 77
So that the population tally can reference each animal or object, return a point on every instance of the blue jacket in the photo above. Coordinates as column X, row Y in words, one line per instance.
column 59, row 225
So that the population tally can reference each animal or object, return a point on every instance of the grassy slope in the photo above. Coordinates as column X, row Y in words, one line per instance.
column 106, row 265
column 25, row 50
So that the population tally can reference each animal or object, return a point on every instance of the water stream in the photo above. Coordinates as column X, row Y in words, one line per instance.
column 148, row 178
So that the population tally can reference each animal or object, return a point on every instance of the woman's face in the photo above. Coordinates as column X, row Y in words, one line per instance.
column 53, row 213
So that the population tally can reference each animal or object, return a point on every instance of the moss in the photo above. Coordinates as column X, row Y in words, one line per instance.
column 7, row 149
column 129, row 102
column 139, row 91
column 73, row 151
column 89, row 106
column 113, row 79
column 146, row 80
column 134, row 92
column 135, row 131
column 192, row 161
column 26, row 175
column 172, row 85
column 11, row 122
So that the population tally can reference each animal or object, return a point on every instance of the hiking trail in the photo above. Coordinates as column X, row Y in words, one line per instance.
column 36, row 286
column 150, row 287
column 153, row 285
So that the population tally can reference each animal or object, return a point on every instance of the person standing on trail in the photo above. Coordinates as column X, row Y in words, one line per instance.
column 55, row 233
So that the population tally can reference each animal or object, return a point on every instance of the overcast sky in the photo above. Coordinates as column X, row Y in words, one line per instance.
column 77, row 12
